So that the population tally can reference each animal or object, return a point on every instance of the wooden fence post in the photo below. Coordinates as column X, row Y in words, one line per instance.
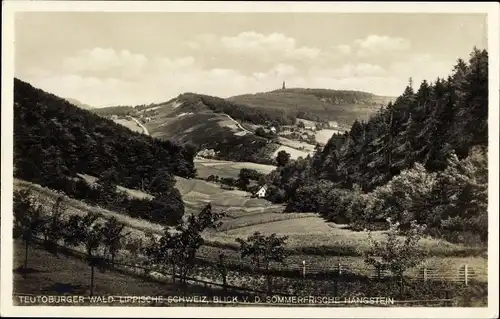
column 339, row 267
column 223, row 272
column 425, row 273
column 304, row 268
column 466, row 275
column 379, row 272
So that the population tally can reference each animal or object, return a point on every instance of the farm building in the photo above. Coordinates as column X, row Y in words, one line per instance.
column 261, row 192
column 206, row 153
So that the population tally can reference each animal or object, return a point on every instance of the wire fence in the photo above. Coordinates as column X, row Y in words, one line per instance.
column 341, row 282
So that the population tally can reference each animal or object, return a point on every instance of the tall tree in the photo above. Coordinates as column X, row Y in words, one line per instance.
column 88, row 232
column 263, row 251
column 112, row 234
column 29, row 219
column 54, row 224
column 282, row 158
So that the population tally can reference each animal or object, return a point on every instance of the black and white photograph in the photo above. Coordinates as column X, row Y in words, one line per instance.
column 249, row 159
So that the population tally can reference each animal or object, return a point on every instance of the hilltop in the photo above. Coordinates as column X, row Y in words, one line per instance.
column 341, row 106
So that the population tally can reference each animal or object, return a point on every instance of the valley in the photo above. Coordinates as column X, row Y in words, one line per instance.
column 314, row 178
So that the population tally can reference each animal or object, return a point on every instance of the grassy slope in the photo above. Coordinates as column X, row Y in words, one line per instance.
column 310, row 238
column 207, row 167
column 63, row 275
column 211, row 131
column 246, row 215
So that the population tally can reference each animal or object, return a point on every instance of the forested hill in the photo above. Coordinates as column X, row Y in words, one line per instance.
column 422, row 157
column 54, row 140
column 426, row 126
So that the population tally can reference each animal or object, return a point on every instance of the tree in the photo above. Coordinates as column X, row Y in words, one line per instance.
column 54, row 224
column 28, row 220
column 463, row 196
column 243, row 179
column 263, row 250
column 397, row 254
column 179, row 247
column 87, row 232
column 112, row 237
column 161, row 183
column 301, row 124
column 282, row 158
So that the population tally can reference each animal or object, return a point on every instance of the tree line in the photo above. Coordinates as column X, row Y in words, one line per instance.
column 423, row 156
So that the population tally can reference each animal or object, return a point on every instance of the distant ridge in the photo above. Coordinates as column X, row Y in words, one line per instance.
column 79, row 104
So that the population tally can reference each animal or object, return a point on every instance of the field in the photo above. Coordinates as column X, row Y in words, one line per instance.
column 306, row 147
column 131, row 192
column 198, row 192
column 130, row 124
column 207, row 167
column 324, row 135
column 294, row 153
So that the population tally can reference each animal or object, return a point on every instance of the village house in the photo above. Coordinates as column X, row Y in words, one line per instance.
column 261, row 192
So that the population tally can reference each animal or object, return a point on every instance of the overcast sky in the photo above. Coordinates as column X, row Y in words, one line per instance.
column 106, row 59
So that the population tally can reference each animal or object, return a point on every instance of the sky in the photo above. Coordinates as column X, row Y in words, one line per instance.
column 127, row 58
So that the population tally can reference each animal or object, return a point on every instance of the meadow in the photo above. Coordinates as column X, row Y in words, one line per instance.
column 228, row 169
column 130, row 124
column 310, row 238
column 294, row 153
column 322, row 136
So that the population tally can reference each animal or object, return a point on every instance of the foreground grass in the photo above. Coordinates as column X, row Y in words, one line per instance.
column 62, row 275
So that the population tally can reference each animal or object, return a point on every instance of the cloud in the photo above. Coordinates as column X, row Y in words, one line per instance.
column 101, row 59
column 160, row 78
column 174, row 63
column 421, row 67
column 376, row 44
column 344, row 48
column 349, row 70
column 268, row 46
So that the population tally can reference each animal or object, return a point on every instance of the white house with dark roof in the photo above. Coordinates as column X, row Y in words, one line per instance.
column 261, row 192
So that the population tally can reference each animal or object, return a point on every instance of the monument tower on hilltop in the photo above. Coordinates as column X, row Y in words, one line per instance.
column 283, row 86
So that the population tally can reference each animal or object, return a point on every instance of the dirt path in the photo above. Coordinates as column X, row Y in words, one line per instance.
column 238, row 124
column 144, row 129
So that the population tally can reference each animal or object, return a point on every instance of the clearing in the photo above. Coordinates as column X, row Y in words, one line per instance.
column 301, row 146
column 130, row 124
column 207, row 167
column 324, row 135
column 199, row 192
column 294, row 153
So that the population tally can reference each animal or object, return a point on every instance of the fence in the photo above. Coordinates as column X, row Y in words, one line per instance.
column 342, row 276
column 462, row 274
